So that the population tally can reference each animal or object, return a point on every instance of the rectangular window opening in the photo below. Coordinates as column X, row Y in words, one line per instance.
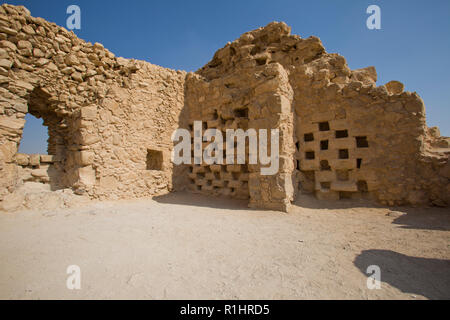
column 154, row 160
column 324, row 126
column 343, row 154
column 324, row 165
column 361, row 142
column 308, row 137
column 241, row 113
column 325, row 185
column 358, row 163
column 324, row 145
column 310, row 155
column 341, row 134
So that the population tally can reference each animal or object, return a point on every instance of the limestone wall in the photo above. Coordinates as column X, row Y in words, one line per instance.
column 131, row 130
column 256, row 98
column 110, row 120
column 353, row 139
column 105, row 115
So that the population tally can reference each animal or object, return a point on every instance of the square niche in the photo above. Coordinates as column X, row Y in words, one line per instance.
column 154, row 160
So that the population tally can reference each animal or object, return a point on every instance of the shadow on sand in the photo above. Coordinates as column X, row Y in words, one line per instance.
column 199, row 200
column 424, row 218
column 408, row 217
column 427, row 277
column 311, row 202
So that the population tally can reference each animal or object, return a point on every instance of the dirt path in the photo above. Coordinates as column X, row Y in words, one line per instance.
column 170, row 248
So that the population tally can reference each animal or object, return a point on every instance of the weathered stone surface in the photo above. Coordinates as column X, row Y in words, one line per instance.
column 5, row 63
column 22, row 159
column 35, row 160
column 12, row 202
column 38, row 53
column 47, row 158
column 22, row 44
column 11, row 123
column 7, row 151
column 3, row 54
column 366, row 75
column 20, row 107
column 87, row 158
column 89, row 113
column 8, row 31
column 87, row 176
column 4, row 79
column 39, row 173
column 395, row 87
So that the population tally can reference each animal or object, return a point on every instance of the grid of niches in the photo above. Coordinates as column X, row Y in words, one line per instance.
column 218, row 179
column 331, row 157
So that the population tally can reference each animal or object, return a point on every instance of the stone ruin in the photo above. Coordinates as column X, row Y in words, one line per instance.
column 110, row 122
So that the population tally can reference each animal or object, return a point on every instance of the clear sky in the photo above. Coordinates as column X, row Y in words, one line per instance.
column 413, row 45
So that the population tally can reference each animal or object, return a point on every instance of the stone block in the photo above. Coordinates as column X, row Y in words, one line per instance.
column 343, row 163
column 12, row 202
column 46, row 158
column 7, row 151
column 395, row 87
column 89, row 113
column 327, row 195
column 39, row 173
column 35, row 160
column 323, row 116
column 339, row 124
column 307, row 165
column 348, row 186
column 86, row 176
column 12, row 124
column 5, row 63
column 323, row 176
column 22, row 159
column 86, row 158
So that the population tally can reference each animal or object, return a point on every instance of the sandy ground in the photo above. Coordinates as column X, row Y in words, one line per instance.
column 172, row 248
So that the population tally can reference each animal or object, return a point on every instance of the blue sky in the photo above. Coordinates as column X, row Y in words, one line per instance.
column 413, row 45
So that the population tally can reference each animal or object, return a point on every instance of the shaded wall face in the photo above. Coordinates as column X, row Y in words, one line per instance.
column 221, row 105
column 253, row 98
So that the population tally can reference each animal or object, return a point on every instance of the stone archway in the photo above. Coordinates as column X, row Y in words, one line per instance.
column 55, row 168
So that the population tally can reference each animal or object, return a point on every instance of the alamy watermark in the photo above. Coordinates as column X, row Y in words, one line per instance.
column 73, row 282
column 235, row 139
column 374, row 279
column 374, row 20
column 74, row 20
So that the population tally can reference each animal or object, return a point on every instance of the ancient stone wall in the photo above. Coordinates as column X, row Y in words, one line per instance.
column 353, row 139
column 110, row 121
column 107, row 117
column 250, row 98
